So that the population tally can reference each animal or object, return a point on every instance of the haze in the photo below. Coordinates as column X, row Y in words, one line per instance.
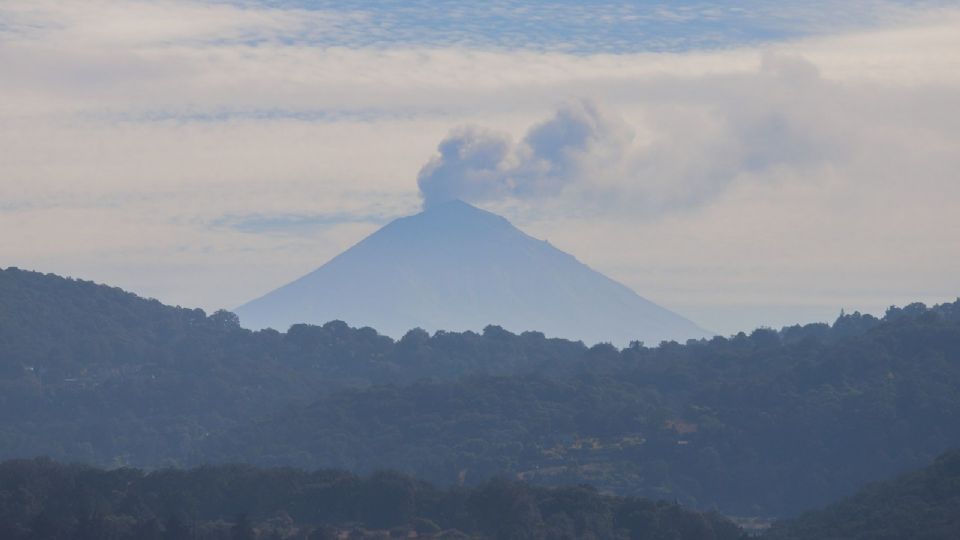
column 766, row 164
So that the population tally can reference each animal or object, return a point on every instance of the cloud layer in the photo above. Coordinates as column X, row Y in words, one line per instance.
column 564, row 26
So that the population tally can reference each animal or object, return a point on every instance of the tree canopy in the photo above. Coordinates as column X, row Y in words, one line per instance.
column 43, row 499
column 920, row 504
column 769, row 423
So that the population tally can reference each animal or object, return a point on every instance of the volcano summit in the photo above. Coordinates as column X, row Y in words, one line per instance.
column 456, row 267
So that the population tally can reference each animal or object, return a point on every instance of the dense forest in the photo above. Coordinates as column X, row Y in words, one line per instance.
column 922, row 504
column 769, row 423
column 749, row 426
column 41, row 499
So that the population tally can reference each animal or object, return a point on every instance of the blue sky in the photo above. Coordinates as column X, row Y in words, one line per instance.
column 751, row 163
column 592, row 27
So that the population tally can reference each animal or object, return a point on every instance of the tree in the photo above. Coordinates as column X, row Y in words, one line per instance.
column 242, row 529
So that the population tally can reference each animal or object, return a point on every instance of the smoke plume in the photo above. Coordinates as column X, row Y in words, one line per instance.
column 759, row 126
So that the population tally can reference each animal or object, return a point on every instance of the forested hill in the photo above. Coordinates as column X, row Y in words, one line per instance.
column 748, row 425
column 43, row 499
column 94, row 373
column 766, row 423
column 921, row 504
column 61, row 329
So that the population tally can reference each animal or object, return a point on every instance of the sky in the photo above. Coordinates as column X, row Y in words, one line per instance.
column 746, row 164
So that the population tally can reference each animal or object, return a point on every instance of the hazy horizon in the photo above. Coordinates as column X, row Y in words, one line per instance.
column 763, row 164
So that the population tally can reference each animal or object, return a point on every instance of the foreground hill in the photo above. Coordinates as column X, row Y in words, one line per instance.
column 456, row 267
column 923, row 504
column 93, row 373
column 42, row 499
column 771, row 423
column 766, row 424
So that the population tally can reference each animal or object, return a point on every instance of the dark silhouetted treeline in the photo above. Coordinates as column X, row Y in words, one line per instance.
column 41, row 499
column 923, row 504
column 769, row 423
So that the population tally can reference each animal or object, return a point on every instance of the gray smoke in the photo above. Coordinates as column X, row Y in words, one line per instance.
column 700, row 139
column 479, row 165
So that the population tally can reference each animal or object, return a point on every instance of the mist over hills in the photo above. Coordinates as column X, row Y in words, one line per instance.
column 769, row 423
column 455, row 267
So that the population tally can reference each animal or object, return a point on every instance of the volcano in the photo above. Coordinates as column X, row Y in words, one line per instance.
column 456, row 267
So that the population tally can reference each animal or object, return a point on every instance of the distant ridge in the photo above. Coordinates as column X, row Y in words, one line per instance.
column 456, row 267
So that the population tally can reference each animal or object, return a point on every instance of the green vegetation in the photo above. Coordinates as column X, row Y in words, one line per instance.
column 923, row 504
column 43, row 499
column 770, row 424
